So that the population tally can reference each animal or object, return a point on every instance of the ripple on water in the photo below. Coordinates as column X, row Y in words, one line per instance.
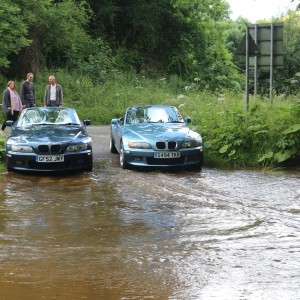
column 209, row 235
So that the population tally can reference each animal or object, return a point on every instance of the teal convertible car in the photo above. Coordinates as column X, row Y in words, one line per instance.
column 156, row 136
column 48, row 139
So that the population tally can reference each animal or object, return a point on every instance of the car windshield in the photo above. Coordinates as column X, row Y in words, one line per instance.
column 153, row 114
column 43, row 116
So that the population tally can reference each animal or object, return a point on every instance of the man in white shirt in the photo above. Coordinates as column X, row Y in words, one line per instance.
column 53, row 93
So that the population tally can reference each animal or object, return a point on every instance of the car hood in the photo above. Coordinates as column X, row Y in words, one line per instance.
column 170, row 131
column 47, row 134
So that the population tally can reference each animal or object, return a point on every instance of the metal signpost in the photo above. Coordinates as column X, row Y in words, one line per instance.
column 263, row 47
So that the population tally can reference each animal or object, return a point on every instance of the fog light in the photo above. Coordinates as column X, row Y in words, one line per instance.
column 137, row 158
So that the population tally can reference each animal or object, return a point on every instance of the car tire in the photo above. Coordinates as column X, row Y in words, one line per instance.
column 8, row 168
column 198, row 166
column 90, row 165
column 123, row 163
column 112, row 146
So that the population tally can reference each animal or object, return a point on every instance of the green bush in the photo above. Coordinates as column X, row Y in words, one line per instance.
column 2, row 147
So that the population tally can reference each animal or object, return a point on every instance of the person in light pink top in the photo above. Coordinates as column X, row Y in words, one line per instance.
column 11, row 103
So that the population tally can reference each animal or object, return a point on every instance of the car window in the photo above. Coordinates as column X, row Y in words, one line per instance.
column 130, row 115
column 48, row 116
column 153, row 114
column 31, row 117
column 165, row 114
column 63, row 117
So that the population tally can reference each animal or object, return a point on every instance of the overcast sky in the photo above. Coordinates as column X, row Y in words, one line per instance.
column 254, row 10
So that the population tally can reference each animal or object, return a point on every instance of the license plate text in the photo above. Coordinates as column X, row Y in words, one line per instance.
column 166, row 154
column 50, row 158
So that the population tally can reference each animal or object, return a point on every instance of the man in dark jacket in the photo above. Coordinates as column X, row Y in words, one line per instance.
column 53, row 93
column 27, row 92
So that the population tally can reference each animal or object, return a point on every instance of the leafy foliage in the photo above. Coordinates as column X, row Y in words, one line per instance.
column 56, row 32
column 13, row 29
column 255, row 137
column 233, row 136
column 2, row 147
column 108, row 54
column 287, row 79
column 155, row 38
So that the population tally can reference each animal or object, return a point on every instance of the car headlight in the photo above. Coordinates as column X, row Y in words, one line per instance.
column 139, row 145
column 77, row 148
column 191, row 144
column 22, row 149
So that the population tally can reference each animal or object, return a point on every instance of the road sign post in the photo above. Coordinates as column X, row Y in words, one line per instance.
column 263, row 47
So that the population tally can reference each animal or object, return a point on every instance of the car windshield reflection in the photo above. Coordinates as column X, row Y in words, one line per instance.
column 48, row 116
column 153, row 114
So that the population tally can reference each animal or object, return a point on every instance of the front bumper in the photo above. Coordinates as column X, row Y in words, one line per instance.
column 145, row 158
column 27, row 162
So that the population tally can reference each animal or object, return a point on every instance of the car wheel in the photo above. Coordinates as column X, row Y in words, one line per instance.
column 90, row 165
column 123, row 163
column 198, row 166
column 8, row 168
column 112, row 146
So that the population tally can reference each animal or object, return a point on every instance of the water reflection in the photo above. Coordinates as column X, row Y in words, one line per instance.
column 120, row 234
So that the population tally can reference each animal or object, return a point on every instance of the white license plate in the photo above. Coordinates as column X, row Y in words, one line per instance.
column 166, row 154
column 50, row 158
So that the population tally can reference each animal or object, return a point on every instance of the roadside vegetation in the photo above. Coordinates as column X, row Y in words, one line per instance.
column 109, row 54
column 266, row 136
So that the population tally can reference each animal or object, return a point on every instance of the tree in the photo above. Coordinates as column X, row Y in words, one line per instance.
column 56, row 32
column 288, row 78
column 13, row 29
column 157, row 38
column 204, row 45
column 180, row 37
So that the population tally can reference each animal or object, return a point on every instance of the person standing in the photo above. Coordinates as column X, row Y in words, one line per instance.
column 53, row 93
column 11, row 103
column 27, row 92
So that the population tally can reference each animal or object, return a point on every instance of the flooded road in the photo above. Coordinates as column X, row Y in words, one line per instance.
column 121, row 234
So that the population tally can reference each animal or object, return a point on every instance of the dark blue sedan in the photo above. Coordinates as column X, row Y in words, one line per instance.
column 156, row 136
column 49, row 139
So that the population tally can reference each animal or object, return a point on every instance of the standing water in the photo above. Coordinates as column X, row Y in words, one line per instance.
column 120, row 234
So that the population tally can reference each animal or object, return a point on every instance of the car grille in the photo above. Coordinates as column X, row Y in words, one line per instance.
column 165, row 161
column 52, row 149
column 166, row 145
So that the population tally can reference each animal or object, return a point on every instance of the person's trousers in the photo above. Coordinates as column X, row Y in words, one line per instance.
column 52, row 103
column 11, row 117
column 30, row 104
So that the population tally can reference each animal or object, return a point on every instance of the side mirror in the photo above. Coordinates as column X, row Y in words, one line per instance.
column 87, row 122
column 115, row 121
column 187, row 121
column 9, row 123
